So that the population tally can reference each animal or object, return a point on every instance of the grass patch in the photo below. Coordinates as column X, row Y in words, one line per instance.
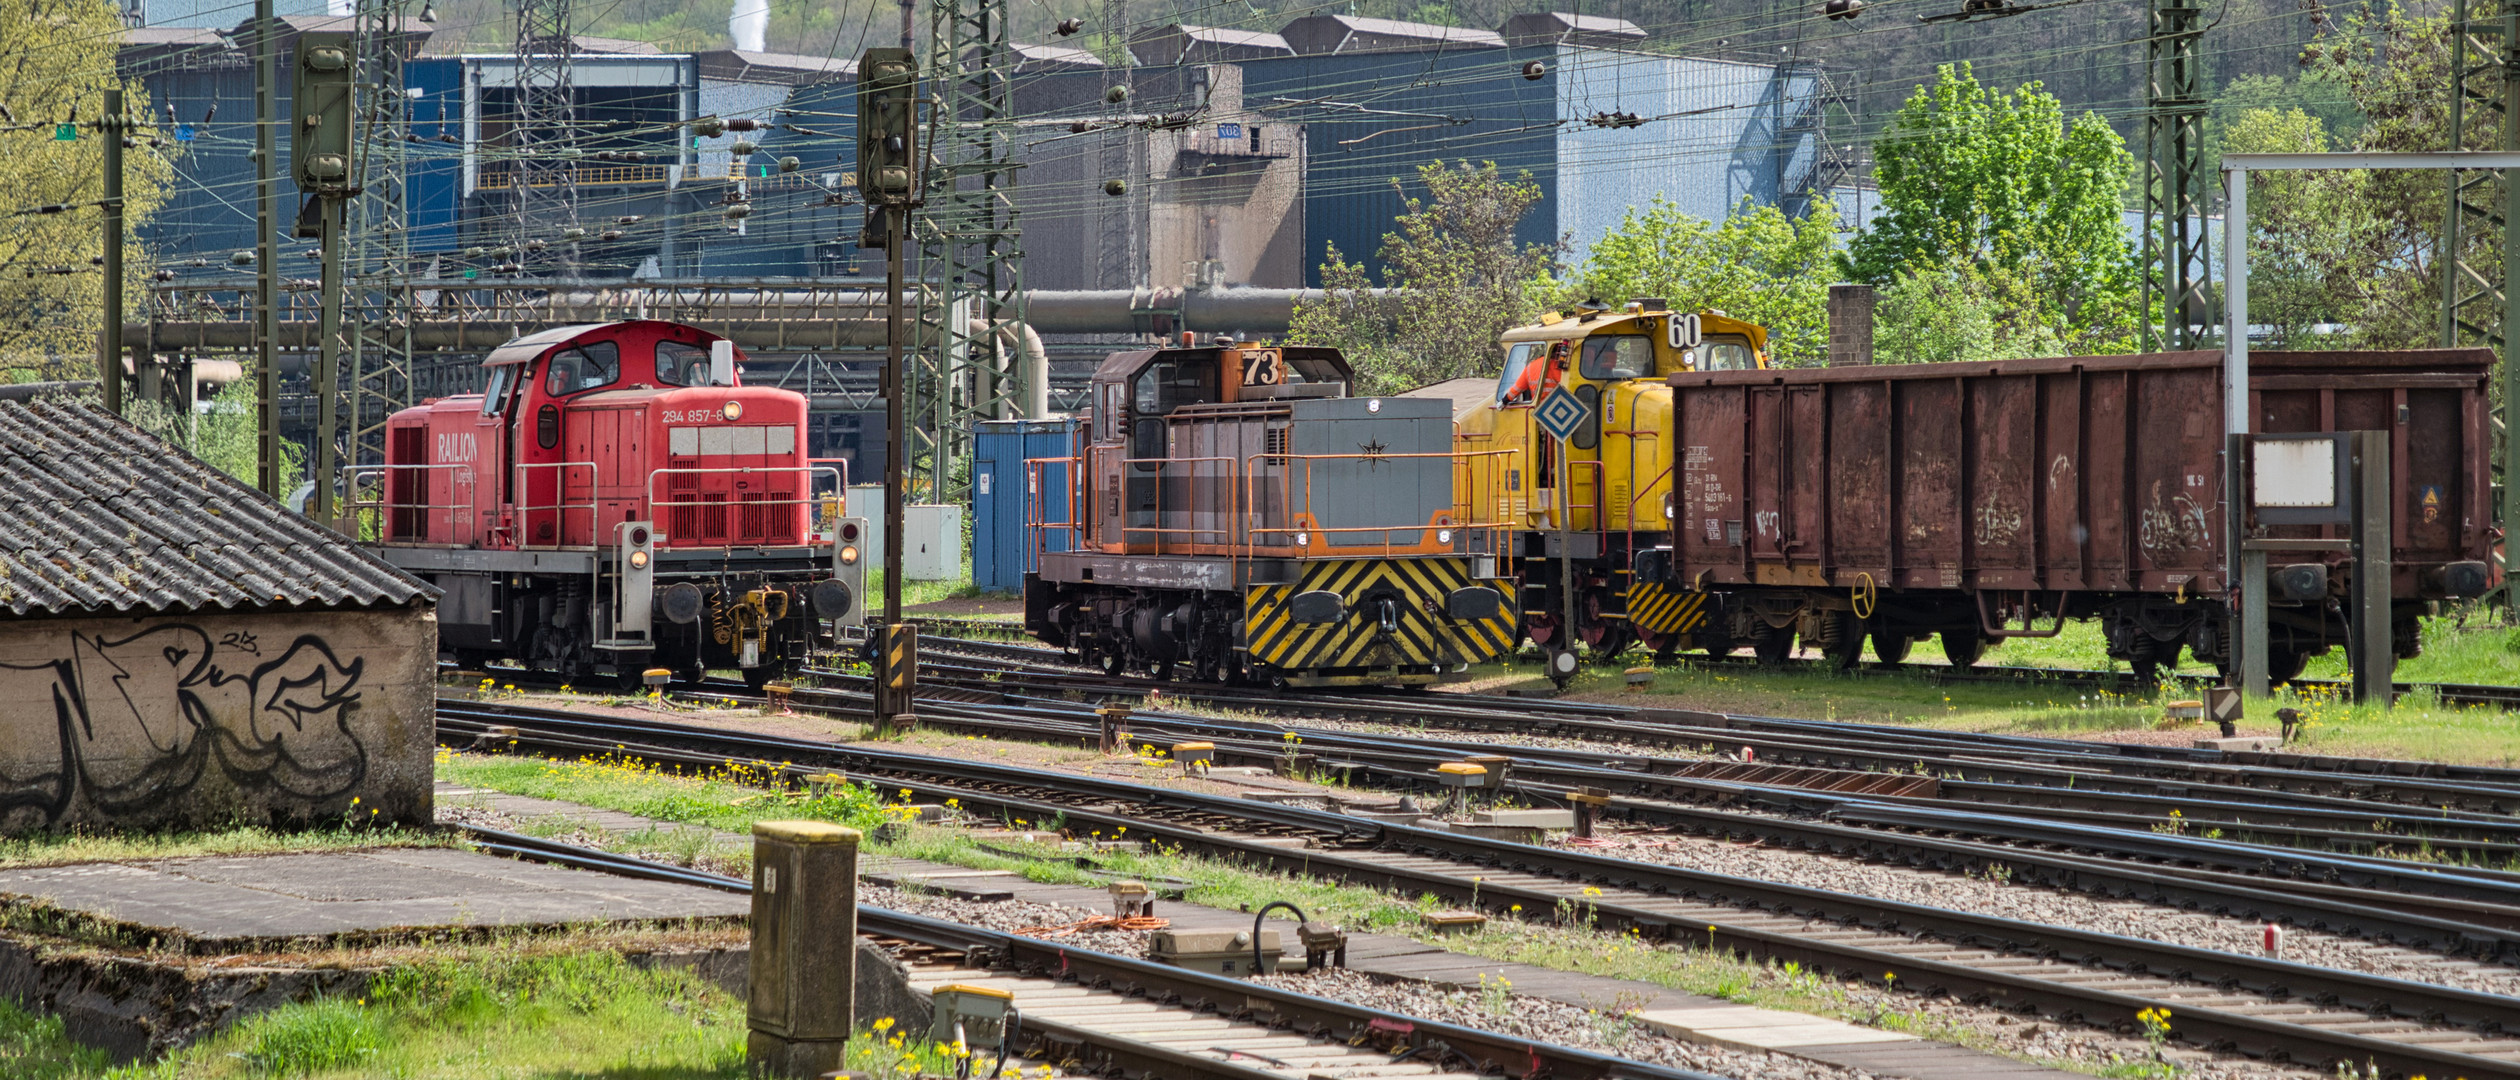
column 100, row 846
column 486, row 1018
column 692, row 808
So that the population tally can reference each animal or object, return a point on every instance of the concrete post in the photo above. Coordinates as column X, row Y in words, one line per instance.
column 1850, row 325
column 804, row 948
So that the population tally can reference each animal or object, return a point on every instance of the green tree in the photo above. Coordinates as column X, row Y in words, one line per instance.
column 1757, row 264
column 2002, row 183
column 56, row 61
column 1453, row 280
column 1960, row 312
column 2299, row 223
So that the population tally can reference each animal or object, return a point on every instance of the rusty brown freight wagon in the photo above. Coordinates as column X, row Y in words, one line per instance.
column 1984, row 500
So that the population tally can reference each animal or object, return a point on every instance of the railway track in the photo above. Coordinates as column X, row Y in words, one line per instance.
column 2253, row 1005
column 2464, row 912
column 1097, row 1013
column 2454, row 694
column 2005, row 759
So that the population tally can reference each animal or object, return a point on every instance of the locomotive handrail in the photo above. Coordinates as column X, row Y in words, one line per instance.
column 839, row 475
column 1310, row 523
column 560, row 530
column 355, row 475
column 807, row 496
column 1038, row 527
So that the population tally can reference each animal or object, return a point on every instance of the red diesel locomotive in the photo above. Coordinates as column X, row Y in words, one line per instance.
column 616, row 501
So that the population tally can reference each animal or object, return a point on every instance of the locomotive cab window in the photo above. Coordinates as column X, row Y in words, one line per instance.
column 1516, row 359
column 1625, row 356
column 678, row 364
column 502, row 382
column 583, row 368
column 1169, row 384
column 1726, row 353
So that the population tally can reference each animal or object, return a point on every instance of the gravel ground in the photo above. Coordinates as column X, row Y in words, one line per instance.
column 2054, row 907
column 1556, row 1022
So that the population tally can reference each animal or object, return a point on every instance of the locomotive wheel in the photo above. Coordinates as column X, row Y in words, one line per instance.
column 1963, row 647
column 1606, row 637
column 1846, row 647
column 1665, row 647
column 2284, row 665
column 1773, row 645
column 1540, row 628
column 1110, row 661
column 757, row 679
column 1890, row 646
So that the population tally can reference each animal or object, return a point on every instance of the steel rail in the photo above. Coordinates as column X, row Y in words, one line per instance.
column 2481, row 920
column 2138, row 804
column 1191, row 991
column 1641, row 896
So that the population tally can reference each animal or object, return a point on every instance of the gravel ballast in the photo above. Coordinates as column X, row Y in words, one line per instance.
column 2053, row 907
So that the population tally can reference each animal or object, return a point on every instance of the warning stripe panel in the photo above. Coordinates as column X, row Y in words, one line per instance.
column 1409, row 593
column 1665, row 611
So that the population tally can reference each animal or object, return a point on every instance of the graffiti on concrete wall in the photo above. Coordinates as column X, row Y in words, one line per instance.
column 128, row 724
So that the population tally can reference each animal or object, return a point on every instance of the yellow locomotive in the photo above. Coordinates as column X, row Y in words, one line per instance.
column 1583, row 507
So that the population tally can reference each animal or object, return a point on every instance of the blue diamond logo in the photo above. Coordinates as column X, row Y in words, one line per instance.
column 1562, row 413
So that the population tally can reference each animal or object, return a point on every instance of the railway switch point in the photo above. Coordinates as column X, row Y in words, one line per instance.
column 803, row 977
column 777, row 694
column 1638, row 678
column 1195, row 757
column 1499, row 768
column 494, row 736
column 1453, row 922
column 1217, row 952
column 2182, row 713
column 1130, row 899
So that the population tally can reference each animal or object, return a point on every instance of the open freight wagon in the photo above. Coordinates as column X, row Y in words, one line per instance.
column 1979, row 501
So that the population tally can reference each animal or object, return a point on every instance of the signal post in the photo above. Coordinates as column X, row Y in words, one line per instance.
column 889, row 181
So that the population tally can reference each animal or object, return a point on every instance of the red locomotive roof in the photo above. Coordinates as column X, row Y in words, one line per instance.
column 523, row 350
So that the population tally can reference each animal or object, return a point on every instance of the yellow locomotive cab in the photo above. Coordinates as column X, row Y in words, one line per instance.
column 1602, row 493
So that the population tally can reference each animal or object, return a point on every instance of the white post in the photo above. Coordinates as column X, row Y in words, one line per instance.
column 2248, row 568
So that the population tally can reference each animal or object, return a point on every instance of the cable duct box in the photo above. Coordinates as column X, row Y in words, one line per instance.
column 1216, row 952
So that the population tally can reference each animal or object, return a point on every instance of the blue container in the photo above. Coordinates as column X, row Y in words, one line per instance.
column 1001, row 547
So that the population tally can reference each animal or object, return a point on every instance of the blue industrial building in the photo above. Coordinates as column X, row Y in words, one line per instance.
column 1370, row 101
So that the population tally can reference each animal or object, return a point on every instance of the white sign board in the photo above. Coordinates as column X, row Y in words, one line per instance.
column 2295, row 472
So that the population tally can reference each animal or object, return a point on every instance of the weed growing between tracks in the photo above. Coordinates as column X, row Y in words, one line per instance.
column 729, row 797
column 112, row 846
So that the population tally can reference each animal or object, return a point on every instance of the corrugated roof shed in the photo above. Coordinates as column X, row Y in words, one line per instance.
column 1464, row 394
column 98, row 517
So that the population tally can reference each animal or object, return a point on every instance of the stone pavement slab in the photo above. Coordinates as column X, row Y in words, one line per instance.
column 226, row 900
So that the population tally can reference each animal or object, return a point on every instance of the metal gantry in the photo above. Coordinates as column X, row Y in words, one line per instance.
column 2174, row 179
column 545, row 123
column 971, row 242
column 2478, row 254
column 379, row 258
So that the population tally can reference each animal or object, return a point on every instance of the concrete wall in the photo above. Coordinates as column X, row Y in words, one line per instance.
column 203, row 720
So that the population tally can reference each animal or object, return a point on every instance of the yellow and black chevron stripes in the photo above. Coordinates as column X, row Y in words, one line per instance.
column 1419, row 633
column 1665, row 611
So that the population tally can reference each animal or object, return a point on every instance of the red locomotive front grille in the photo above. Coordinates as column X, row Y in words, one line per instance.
column 732, row 483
